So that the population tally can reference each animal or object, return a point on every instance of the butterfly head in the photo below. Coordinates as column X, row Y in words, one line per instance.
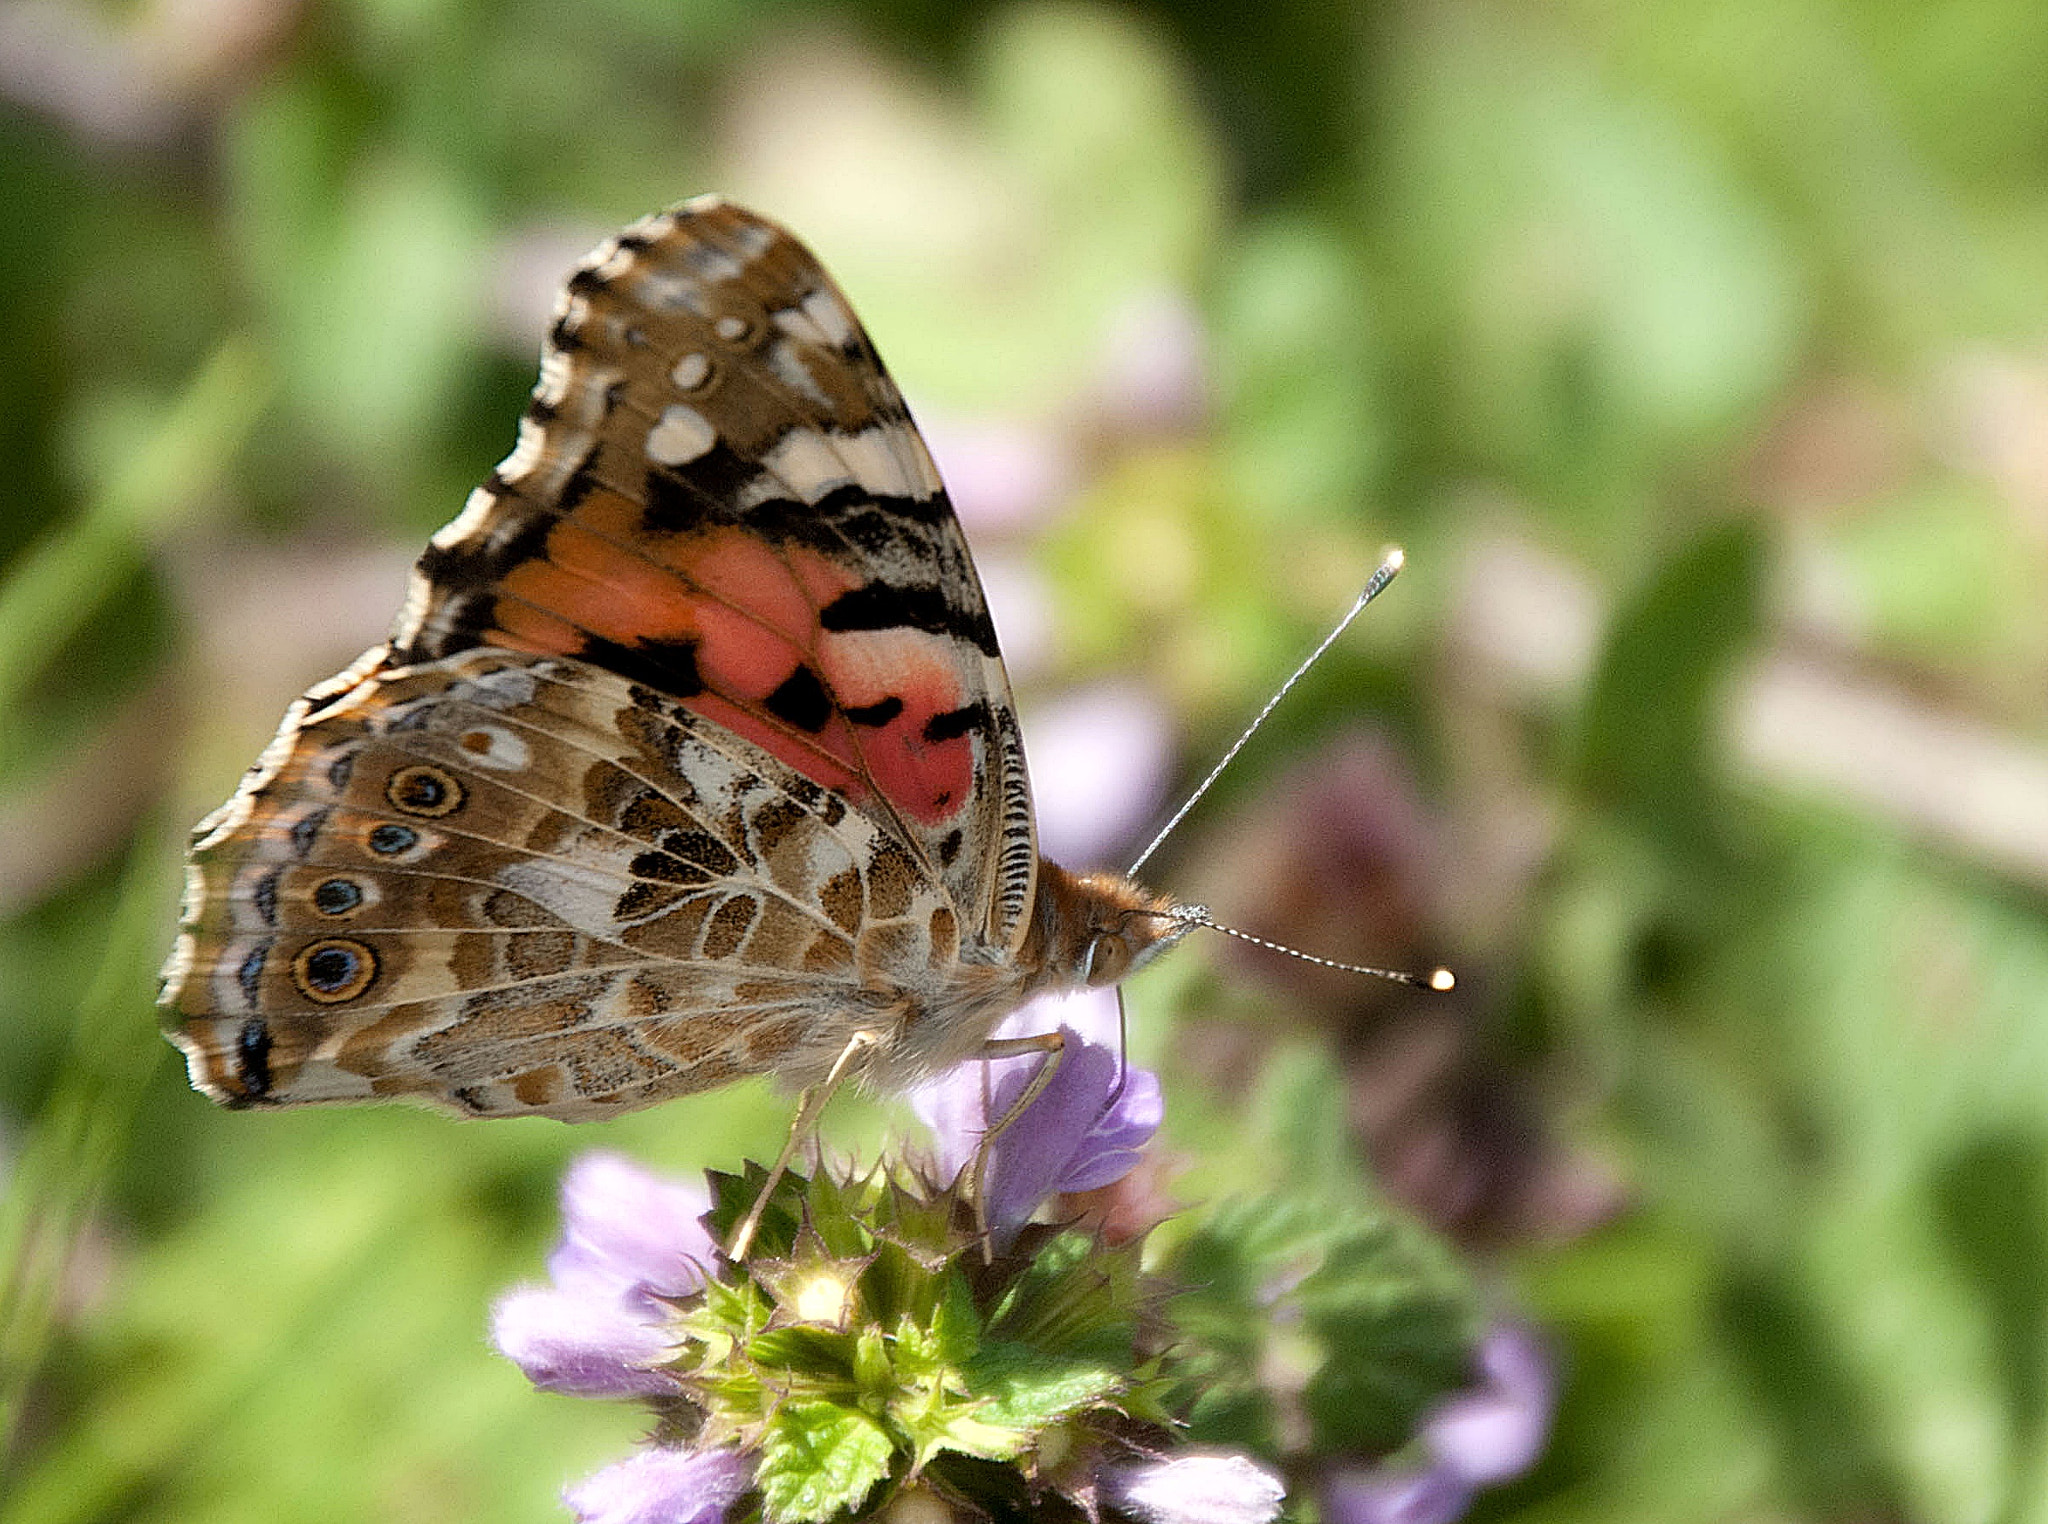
column 1098, row 928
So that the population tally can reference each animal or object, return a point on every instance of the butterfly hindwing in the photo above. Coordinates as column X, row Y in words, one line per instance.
column 718, row 492
column 515, row 884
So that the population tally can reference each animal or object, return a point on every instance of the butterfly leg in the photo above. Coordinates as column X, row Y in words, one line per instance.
column 1054, row 1046
column 810, row 1106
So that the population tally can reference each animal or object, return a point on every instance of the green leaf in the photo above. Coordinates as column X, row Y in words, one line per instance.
column 817, row 1459
column 733, row 1196
column 872, row 1372
column 1027, row 1389
column 1396, row 1326
column 805, row 1351
column 955, row 1324
column 1644, row 746
column 1364, row 1312
column 1076, row 1298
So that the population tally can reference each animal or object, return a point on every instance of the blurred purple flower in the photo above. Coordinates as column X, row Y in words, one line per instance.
column 1000, row 474
column 1192, row 1489
column 630, row 1238
column 1496, row 1430
column 1079, row 1134
column 1154, row 371
column 1429, row 1495
column 1481, row 1437
column 1100, row 759
column 662, row 1486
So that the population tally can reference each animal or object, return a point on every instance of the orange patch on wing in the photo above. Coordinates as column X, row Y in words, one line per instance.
column 752, row 609
column 520, row 628
column 608, row 591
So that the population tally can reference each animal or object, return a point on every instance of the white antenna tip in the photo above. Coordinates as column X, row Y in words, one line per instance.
column 1394, row 558
column 1443, row 979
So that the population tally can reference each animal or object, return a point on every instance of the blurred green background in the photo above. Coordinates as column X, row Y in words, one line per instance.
column 1698, row 355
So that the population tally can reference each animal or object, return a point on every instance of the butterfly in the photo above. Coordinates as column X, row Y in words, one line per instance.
column 690, row 756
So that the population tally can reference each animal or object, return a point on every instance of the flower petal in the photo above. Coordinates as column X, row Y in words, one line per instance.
column 626, row 1230
column 1435, row 1495
column 1113, row 730
column 1496, row 1430
column 1193, row 1489
column 1115, row 1141
column 589, row 1346
column 663, row 1487
column 1081, row 1133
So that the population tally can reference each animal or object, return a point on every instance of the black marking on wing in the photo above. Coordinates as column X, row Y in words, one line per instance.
column 250, row 974
column 667, row 666
column 266, row 896
column 954, row 723
column 801, row 701
column 252, row 1057
column 875, row 714
column 889, row 606
column 306, row 831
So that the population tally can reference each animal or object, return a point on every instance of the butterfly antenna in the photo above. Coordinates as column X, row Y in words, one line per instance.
column 1438, row 979
column 1373, row 588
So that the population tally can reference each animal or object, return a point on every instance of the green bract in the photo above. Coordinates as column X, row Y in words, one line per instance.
column 867, row 1342
column 869, row 1345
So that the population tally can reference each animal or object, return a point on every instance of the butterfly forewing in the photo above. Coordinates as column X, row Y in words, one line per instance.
column 719, row 492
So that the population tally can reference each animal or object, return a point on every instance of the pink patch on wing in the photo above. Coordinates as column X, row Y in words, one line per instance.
column 746, row 573
column 752, row 607
column 824, row 764
column 930, row 781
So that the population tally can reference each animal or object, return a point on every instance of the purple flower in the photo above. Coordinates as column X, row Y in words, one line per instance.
column 1154, row 371
column 1111, row 731
column 663, row 1487
column 1496, row 1430
column 1390, row 1495
column 629, row 1239
column 1193, row 1488
column 1080, row 1134
column 1478, row 1438
column 1001, row 474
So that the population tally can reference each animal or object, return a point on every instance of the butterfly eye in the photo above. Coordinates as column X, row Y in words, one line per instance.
column 1107, row 960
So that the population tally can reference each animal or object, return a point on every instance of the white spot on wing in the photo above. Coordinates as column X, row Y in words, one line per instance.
column 554, row 377
column 731, row 329
column 659, row 289
column 495, row 746
column 679, row 436
column 507, row 688
column 831, row 316
column 791, row 371
column 582, row 896
column 526, row 454
column 468, row 522
column 799, row 324
column 690, row 372
column 888, row 458
column 807, row 461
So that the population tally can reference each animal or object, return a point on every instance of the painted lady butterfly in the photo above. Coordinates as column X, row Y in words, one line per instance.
column 690, row 756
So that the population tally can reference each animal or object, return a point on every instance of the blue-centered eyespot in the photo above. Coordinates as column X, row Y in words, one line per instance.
column 424, row 790
column 334, row 969
column 390, row 840
column 336, row 896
